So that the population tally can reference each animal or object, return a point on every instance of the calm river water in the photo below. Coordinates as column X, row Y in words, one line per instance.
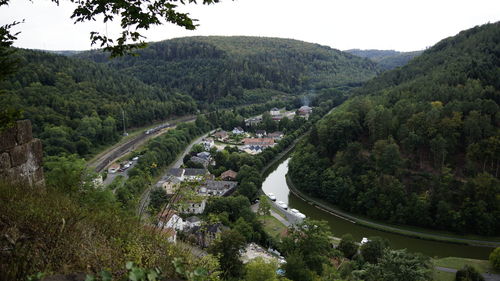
column 276, row 183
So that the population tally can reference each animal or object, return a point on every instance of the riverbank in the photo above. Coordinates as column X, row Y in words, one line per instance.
column 420, row 234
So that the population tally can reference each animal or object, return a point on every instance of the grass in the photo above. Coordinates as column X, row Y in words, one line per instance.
column 272, row 225
column 457, row 263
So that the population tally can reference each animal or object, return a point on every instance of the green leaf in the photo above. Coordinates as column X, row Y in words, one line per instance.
column 152, row 275
column 129, row 265
column 106, row 276
column 89, row 278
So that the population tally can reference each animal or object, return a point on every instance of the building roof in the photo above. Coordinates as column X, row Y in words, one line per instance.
column 274, row 109
column 176, row 172
column 275, row 134
column 238, row 129
column 193, row 219
column 229, row 174
column 220, row 185
column 197, row 159
column 259, row 141
column 194, row 172
column 260, row 132
column 203, row 154
column 166, row 214
column 168, row 178
column 220, row 134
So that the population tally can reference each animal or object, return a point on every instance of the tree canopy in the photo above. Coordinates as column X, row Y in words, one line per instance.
column 417, row 145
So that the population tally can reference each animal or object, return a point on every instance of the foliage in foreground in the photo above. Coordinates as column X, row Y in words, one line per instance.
column 84, row 231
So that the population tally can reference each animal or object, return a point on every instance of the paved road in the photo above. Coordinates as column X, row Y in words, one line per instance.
column 283, row 216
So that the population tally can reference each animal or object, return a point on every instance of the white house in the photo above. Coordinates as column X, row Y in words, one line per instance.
column 169, row 219
column 238, row 131
column 208, row 143
column 274, row 111
column 194, row 207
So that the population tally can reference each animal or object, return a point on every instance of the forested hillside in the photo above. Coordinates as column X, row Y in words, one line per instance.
column 419, row 145
column 234, row 70
column 386, row 59
column 76, row 104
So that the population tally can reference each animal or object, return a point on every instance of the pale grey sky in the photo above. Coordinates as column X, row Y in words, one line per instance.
column 342, row 24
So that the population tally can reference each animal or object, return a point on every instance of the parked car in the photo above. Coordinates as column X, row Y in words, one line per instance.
column 135, row 158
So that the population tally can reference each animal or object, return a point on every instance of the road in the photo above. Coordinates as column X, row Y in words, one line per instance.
column 144, row 200
column 283, row 216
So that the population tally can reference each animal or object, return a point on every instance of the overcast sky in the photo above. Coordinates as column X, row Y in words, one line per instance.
column 364, row 24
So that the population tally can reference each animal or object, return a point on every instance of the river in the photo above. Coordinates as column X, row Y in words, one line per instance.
column 275, row 183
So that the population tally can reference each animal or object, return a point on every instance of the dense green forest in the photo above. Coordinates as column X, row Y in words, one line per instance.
column 386, row 59
column 75, row 104
column 419, row 145
column 234, row 70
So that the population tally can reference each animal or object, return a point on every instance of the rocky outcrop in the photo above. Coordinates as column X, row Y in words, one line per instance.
column 21, row 156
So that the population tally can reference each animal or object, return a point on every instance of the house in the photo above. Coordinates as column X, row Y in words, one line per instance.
column 277, row 117
column 253, row 149
column 229, row 175
column 253, row 121
column 194, row 174
column 176, row 172
column 113, row 168
column 260, row 133
column 263, row 142
column 208, row 143
column 169, row 183
column 218, row 188
column 238, row 131
column 221, row 135
column 194, row 207
column 276, row 135
column 192, row 222
column 274, row 111
column 203, row 236
column 199, row 160
column 204, row 155
column 305, row 110
column 168, row 218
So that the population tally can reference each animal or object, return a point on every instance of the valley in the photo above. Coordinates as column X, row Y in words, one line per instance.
column 251, row 158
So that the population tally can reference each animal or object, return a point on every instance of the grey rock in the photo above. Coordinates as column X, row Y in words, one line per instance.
column 24, row 134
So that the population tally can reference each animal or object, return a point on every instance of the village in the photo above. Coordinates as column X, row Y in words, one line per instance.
column 189, row 188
